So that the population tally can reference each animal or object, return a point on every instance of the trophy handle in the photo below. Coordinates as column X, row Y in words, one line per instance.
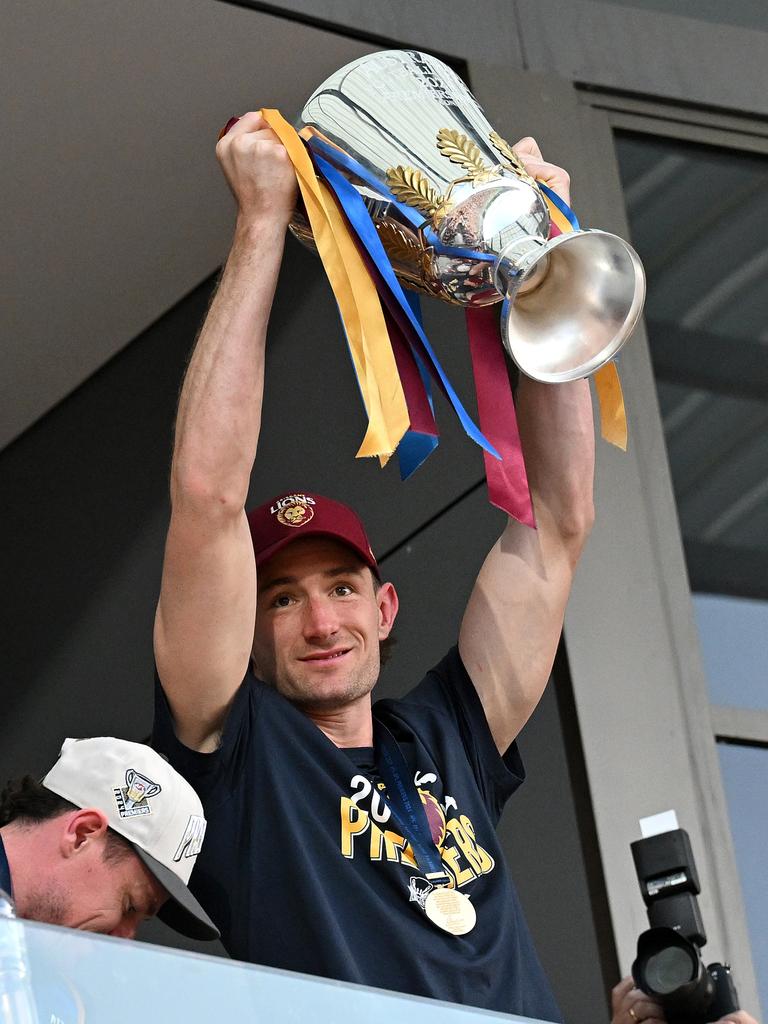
column 570, row 303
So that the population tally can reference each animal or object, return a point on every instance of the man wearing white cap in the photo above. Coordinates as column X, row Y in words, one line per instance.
column 106, row 840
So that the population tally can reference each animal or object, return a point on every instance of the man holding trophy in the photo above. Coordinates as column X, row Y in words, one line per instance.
column 350, row 839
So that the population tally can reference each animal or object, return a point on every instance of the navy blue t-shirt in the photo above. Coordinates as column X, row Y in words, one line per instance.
column 302, row 868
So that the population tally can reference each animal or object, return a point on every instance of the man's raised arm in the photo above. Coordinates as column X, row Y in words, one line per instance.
column 512, row 624
column 205, row 615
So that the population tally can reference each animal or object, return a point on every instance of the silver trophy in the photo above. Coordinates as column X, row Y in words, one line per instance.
column 569, row 303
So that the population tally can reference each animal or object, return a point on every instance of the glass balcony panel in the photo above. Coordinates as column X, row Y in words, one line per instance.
column 76, row 978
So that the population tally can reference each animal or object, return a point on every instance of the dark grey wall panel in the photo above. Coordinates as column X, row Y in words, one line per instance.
column 746, row 13
column 450, row 27
column 85, row 506
column 84, row 516
column 113, row 204
column 647, row 52
column 684, row 50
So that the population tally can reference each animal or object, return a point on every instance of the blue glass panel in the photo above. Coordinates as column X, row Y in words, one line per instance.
column 75, row 978
column 745, row 776
column 734, row 645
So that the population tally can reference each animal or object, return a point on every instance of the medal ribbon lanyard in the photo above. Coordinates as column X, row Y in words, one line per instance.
column 403, row 800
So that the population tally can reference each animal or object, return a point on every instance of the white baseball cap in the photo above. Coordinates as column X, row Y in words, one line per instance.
column 148, row 803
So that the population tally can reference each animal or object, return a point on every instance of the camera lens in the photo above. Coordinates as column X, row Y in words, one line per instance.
column 668, row 969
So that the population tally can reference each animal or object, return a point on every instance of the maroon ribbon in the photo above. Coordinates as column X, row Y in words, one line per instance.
column 419, row 410
column 507, row 478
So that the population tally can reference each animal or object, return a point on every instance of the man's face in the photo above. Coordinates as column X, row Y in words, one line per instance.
column 97, row 894
column 319, row 622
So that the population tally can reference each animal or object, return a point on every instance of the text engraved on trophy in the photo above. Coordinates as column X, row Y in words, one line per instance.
column 425, row 73
column 402, row 77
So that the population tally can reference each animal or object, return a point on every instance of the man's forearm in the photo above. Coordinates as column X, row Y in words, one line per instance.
column 557, row 431
column 207, row 607
column 219, row 415
column 514, row 617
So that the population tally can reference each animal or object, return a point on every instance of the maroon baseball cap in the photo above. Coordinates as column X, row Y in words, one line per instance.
column 300, row 514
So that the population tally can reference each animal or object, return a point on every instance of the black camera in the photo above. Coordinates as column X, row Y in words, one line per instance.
column 668, row 966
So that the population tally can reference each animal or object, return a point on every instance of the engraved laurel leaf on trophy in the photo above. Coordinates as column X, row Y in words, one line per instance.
column 461, row 150
column 411, row 187
column 516, row 164
column 400, row 247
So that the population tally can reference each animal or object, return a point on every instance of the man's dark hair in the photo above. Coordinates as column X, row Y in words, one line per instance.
column 28, row 802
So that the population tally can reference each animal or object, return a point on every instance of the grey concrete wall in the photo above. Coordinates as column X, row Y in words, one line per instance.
column 679, row 51
column 113, row 205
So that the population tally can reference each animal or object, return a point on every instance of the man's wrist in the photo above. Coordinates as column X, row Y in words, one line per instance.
column 257, row 243
column 253, row 228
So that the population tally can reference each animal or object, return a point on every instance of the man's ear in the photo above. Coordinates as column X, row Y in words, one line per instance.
column 83, row 830
column 388, row 605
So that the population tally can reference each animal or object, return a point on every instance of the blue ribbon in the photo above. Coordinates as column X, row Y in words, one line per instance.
column 415, row 447
column 359, row 219
column 440, row 247
column 562, row 206
column 337, row 158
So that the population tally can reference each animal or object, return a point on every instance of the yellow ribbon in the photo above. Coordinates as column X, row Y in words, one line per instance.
column 613, row 416
column 557, row 216
column 610, row 398
column 358, row 302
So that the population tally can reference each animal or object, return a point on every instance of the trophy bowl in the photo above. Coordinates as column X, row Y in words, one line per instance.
column 461, row 219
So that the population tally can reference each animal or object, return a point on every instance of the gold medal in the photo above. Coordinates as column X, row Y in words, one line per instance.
column 450, row 910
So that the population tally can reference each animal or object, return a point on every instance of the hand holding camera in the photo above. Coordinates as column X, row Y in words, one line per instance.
column 669, row 983
column 630, row 1005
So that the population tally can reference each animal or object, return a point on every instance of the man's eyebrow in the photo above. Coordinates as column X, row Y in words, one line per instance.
column 345, row 570
column 277, row 581
column 354, row 569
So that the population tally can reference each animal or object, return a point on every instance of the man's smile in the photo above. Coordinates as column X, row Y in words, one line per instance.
column 324, row 657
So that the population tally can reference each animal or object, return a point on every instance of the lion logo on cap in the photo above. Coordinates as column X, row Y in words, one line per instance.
column 295, row 510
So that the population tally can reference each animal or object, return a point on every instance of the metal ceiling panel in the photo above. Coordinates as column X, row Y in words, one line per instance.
column 698, row 217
